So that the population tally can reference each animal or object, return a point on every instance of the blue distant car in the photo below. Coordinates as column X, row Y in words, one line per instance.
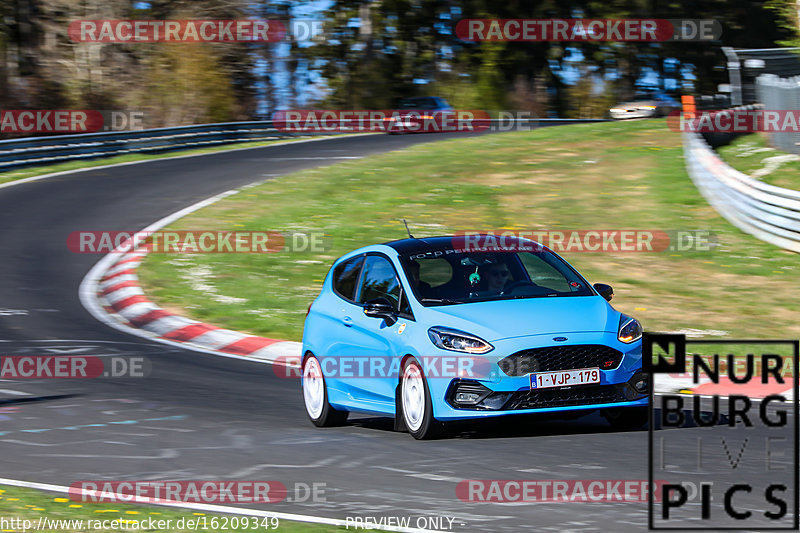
column 439, row 329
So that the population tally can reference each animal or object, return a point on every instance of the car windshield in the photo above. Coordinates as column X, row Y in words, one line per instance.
column 449, row 276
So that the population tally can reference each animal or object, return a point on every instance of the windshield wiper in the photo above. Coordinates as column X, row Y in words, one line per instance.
column 445, row 301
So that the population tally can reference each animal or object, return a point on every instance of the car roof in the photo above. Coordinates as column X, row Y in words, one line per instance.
column 430, row 244
column 422, row 245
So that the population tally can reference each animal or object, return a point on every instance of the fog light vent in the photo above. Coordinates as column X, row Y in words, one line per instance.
column 467, row 397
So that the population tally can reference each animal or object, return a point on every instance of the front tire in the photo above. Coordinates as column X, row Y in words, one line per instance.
column 416, row 406
column 315, row 396
column 627, row 418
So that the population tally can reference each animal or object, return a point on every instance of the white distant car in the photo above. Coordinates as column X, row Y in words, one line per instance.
column 645, row 105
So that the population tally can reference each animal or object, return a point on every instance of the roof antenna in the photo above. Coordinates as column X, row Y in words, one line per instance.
column 408, row 230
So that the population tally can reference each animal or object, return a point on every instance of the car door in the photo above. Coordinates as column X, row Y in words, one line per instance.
column 377, row 338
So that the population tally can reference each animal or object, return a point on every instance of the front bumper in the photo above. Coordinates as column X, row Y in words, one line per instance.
column 503, row 394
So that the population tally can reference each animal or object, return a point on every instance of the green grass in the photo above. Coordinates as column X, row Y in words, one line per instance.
column 28, row 504
column 29, row 172
column 753, row 155
column 619, row 175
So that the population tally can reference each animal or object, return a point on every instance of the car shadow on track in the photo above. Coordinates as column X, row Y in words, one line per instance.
column 507, row 427
column 527, row 426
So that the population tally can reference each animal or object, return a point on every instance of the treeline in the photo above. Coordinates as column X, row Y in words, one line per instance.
column 372, row 53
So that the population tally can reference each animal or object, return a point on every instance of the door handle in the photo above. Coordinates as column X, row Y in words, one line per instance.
column 347, row 321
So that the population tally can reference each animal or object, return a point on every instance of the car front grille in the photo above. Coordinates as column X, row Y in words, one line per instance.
column 551, row 358
column 581, row 395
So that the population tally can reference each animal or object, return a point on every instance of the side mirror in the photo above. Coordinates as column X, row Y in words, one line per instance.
column 605, row 290
column 380, row 308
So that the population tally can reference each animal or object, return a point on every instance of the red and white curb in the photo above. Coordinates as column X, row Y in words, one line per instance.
column 121, row 296
column 111, row 292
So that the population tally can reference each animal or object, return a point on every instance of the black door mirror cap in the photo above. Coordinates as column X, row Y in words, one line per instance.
column 604, row 290
column 380, row 308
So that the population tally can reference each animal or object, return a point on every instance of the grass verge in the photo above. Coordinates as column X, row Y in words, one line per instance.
column 617, row 175
column 753, row 155
column 33, row 505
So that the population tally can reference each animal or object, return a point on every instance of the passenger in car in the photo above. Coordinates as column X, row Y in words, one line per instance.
column 422, row 288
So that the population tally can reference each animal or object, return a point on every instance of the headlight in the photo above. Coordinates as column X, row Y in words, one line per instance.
column 647, row 107
column 458, row 341
column 630, row 329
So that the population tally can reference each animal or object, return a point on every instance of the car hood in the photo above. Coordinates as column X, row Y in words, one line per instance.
column 530, row 316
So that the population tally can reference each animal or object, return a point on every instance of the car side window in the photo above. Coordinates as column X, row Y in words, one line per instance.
column 380, row 281
column 345, row 277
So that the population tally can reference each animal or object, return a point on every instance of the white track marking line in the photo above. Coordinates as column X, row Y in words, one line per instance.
column 222, row 509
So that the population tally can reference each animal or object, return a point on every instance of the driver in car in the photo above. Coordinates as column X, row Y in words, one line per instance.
column 497, row 276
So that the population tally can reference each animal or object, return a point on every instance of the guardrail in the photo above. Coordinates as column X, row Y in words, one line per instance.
column 40, row 150
column 15, row 153
column 769, row 213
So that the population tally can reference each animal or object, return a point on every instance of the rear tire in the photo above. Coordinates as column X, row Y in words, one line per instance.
column 416, row 407
column 315, row 396
column 627, row 418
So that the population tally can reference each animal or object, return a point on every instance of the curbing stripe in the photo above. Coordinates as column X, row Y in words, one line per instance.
column 140, row 313
column 167, row 324
column 122, row 304
column 123, row 294
column 152, row 315
column 218, row 338
column 118, row 284
column 188, row 333
column 128, row 272
column 118, row 279
column 117, row 268
column 248, row 345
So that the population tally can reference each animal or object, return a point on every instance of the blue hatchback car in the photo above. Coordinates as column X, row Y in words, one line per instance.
column 440, row 329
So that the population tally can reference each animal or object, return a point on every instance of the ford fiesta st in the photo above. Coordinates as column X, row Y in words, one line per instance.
column 439, row 329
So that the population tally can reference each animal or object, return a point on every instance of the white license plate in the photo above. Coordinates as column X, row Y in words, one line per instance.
column 565, row 378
